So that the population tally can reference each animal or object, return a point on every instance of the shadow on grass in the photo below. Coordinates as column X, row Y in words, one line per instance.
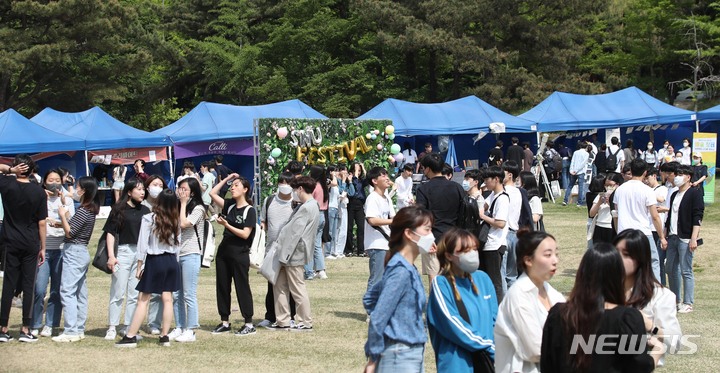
column 569, row 272
column 351, row 315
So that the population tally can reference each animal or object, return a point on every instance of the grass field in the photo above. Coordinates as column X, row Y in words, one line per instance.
column 336, row 344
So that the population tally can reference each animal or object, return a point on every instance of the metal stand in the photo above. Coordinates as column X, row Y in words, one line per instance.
column 542, row 173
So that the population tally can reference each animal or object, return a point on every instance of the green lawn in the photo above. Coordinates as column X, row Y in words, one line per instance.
column 336, row 345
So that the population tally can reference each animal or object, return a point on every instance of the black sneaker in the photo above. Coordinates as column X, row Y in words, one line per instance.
column 245, row 330
column 221, row 328
column 5, row 337
column 301, row 328
column 164, row 341
column 27, row 337
column 126, row 342
column 275, row 327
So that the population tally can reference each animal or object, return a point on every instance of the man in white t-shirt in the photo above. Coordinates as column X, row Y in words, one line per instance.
column 636, row 208
column 614, row 148
column 378, row 216
column 403, row 187
column 497, row 210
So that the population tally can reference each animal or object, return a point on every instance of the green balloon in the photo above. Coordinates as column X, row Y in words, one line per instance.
column 391, row 136
column 394, row 149
column 276, row 152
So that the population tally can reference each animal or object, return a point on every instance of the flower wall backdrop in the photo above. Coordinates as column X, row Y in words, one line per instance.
column 324, row 142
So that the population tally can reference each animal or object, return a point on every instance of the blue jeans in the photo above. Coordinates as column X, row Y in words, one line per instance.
column 333, row 219
column 679, row 267
column 73, row 287
column 654, row 259
column 399, row 357
column 510, row 259
column 122, row 286
column 49, row 271
column 376, row 265
column 185, row 299
column 565, row 172
column 580, row 179
column 318, row 261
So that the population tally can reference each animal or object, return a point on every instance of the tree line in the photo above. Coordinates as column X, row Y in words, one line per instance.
column 148, row 62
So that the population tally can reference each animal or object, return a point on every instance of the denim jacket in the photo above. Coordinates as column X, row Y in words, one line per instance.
column 395, row 306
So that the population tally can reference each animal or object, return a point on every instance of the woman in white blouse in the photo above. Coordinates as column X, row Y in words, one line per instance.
column 522, row 313
column 644, row 292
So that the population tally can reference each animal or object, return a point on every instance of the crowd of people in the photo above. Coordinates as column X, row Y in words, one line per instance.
column 482, row 244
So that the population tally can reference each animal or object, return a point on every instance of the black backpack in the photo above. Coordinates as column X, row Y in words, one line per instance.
column 470, row 215
column 557, row 161
column 611, row 162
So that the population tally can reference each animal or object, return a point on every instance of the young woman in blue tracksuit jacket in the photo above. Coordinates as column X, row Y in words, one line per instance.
column 453, row 338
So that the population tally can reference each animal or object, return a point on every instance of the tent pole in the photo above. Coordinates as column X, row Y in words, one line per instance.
column 172, row 163
column 87, row 164
column 697, row 125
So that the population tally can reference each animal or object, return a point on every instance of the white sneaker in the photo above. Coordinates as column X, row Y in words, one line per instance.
column 331, row 257
column 2, row 274
column 81, row 336
column 35, row 332
column 64, row 338
column 685, row 308
column 264, row 323
column 46, row 331
column 111, row 334
column 155, row 331
column 322, row 275
column 292, row 324
column 187, row 336
column 340, row 256
column 175, row 333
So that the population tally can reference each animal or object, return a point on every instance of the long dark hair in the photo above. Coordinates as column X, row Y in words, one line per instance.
column 195, row 194
column 599, row 279
column 116, row 213
column 528, row 181
column 91, row 198
column 637, row 247
column 319, row 175
column 167, row 224
column 410, row 217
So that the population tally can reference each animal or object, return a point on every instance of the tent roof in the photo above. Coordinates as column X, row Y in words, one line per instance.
column 20, row 135
column 99, row 129
column 628, row 107
column 211, row 121
column 712, row 113
column 467, row 115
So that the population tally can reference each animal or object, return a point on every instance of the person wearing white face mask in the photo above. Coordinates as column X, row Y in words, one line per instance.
column 396, row 330
column 462, row 306
column 154, row 185
column 522, row 314
column 651, row 155
column 686, row 152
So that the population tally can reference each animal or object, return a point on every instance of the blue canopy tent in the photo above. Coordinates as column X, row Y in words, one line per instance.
column 708, row 115
column 101, row 132
column 460, row 118
column 625, row 108
column 20, row 135
column 212, row 128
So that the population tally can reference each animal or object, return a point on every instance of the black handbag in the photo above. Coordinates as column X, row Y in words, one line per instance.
column 482, row 362
column 101, row 254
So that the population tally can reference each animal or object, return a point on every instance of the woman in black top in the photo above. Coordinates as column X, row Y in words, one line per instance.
column 233, row 256
column 700, row 173
column 123, row 225
column 611, row 336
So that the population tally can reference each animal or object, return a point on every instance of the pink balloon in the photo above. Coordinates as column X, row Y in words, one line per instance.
column 282, row 132
column 399, row 157
column 379, row 146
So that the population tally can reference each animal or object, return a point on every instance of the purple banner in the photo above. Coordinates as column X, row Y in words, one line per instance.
column 235, row 147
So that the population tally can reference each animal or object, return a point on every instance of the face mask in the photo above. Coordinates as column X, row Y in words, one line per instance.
column 686, row 144
column 678, row 159
column 650, row 147
column 466, row 185
column 295, row 196
column 76, row 195
column 285, row 189
column 154, row 191
column 54, row 188
column 610, row 189
column 665, row 146
column 425, row 242
column 469, row 262
column 679, row 181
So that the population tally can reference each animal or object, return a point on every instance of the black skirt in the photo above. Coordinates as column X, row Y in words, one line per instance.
column 161, row 274
column 603, row 235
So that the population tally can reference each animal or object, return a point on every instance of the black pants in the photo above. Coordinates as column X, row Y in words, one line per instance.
column 270, row 305
column 20, row 271
column 356, row 217
column 490, row 262
column 232, row 265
